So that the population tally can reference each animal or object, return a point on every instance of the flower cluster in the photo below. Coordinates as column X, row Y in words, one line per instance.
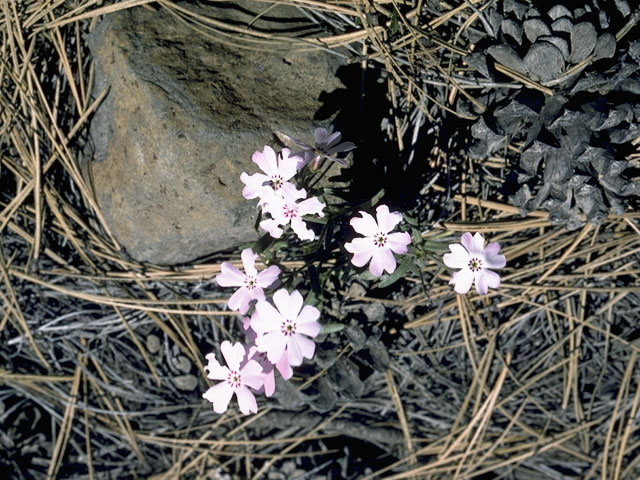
column 278, row 197
column 280, row 332
column 281, row 329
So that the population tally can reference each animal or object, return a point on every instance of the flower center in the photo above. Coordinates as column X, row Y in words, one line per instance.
column 250, row 282
column 288, row 328
column 290, row 212
column 380, row 239
column 276, row 182
column 234, row 379
column 475, row 264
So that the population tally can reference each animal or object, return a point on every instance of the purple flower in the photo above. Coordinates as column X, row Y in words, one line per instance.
column 378, row 244
column 284, row 330
column 251, row 283
column 325, row 146
column 236, row 377
column 474, row 262
column 276, row 174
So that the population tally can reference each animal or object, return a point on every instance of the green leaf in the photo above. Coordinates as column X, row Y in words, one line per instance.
column 404, row 267
column 377, row 197
column 435, row 247
column 410, row 220
column 393, row 26
column 331, row 328
column 315, row 219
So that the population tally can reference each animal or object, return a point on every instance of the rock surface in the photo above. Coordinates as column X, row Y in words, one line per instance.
column 181, row 120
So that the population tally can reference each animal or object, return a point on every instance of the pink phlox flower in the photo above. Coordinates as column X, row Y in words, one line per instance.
column 378, row 243
column 251, row 282
column 236, row 377
column 268, row 374
column 474, row 262
column 287, row 209
column 285, row 330
column 277, row 172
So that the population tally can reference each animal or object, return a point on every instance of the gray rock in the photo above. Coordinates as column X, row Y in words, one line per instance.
column 186, row 382
column 512, row 28
column 518, row 8
column 182, row 364
column 623, row 7
column 508, row 57
column 153, row 343
column 558, row 11
column 563, row 24
column 583, row 41
column 605, row 46
column 182, row 118
column 560, row 43
column 603, row 18
column 534, row 28
column 544, row 61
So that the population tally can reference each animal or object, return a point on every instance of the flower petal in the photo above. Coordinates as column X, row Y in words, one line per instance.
column 387, row 221
column 477, row 244
column 288, row 164
column 216, row 371
column 289, row 305
column 492, row 258
column 293, row 351
column 462, row 280
column 292, row 194
column 311, row 206
column 239, row 301
column 485, row 279
column 300, row 229
column 382, row 260
column 458, row 258
column 397, row 242
column 272, row 227
column 312, row 329
column 361, row 259
column 233, row 354
column 220, row 395
column 309, row 314
column 251, row 374
column 306, row 346
column 268, row 276
column 362, row 249
column 230, row 276
column 273, row 343
column 266, row 160
column 249, row 261
column 332, row 139
column 266, row 318
column 341, row 147
column 467, row 241
column 360, row 245
column 320, row 135
column 283, row 367
column 366, row 225
column 269, row 382
column 254, row 184
column 246, row 401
